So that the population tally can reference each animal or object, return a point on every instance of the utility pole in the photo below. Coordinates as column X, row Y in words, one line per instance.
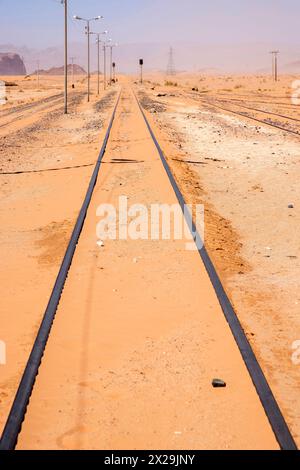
column 98, row 64
column 104, row 66
column 275, row 65
column 66, row 56
column 111, row 70
column 98, row 57
column 89, row 60
column 87, row 28
column 105, row 45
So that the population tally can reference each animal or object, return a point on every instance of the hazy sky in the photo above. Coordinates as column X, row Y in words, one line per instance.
column 39, row 23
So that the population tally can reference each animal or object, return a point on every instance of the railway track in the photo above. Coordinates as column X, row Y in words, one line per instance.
column 281, row 127
column 263, row 111
column 290, row 106
column 218, row 103
column 35, row 107
column 18, row 411
column 25, row 107
column 40, row 106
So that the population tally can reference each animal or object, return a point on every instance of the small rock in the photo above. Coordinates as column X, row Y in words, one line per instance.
column 100, row 243
column 291, row 206
column 218, row 383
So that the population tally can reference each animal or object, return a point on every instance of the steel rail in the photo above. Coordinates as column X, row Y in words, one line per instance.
column 258, row 110
column 269, row 403
column 17, row 413
column 237, row 113
column 29, row 106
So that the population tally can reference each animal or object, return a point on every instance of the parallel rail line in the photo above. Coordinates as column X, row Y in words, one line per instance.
column 247, row 116
column 284, row 116
column 25, row 107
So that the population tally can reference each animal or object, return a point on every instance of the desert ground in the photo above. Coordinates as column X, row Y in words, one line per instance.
column 139, row 333
column 246, row 174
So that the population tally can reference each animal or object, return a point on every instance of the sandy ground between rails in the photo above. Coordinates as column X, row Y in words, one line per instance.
column 139, row 334
column 55, row 155
column 247, row 175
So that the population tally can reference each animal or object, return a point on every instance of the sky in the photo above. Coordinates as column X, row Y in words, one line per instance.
column 38, row 24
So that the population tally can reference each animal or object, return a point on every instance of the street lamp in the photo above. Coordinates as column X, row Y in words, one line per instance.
column 65, row 3
column 105, row 45
column 98, row 43
column 88, row 35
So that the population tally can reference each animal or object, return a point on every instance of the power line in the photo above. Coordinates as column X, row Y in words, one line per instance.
column 171, row 67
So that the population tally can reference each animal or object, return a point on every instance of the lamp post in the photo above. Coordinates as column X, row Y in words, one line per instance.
column 98, row 61
column 105, row 45
column 88, row 21
column 65, row 2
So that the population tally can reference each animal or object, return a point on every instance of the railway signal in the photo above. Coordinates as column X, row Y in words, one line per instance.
column 141, row 65
column 87, row 31
column 111, row 46
column 72, row 61
column 114, row 71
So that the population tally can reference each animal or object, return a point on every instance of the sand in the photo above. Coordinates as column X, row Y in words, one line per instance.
column 131, row 363
column 246, row 174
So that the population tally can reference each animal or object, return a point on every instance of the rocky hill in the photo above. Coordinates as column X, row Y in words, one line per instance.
column 60, row 70
column 11, row 64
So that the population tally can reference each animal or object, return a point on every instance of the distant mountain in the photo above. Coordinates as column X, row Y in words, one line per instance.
column 189, row 56
column 289, row 68
column 292, row 67
column 78, row 70
column 11, row 64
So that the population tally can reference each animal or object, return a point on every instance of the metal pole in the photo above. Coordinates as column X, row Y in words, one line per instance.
column 275, row 65
column 111, row 52
column 98, row 42
column 104, row 73
column 66, row 57
column 88, row 34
